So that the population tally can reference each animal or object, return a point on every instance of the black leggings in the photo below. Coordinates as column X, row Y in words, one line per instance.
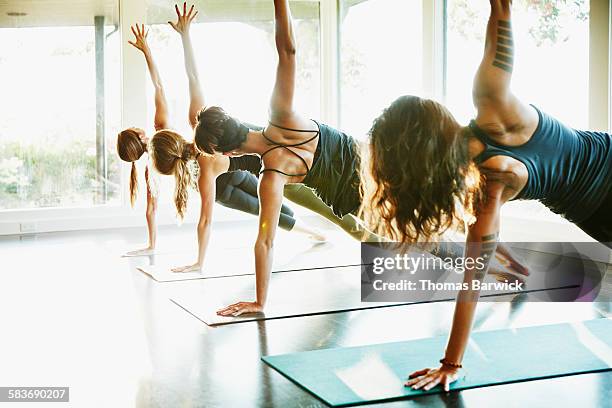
column 599, row 225
column 238, row 190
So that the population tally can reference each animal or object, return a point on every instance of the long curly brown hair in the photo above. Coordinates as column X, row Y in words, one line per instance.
column 419, row 180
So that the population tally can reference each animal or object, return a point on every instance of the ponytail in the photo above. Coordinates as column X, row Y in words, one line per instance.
column 172, row 155
column 133, row 184
column 130, row 148
column 183, row 179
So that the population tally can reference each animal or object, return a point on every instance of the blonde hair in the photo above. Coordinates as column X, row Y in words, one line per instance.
column 170, row 154
column 130, row 148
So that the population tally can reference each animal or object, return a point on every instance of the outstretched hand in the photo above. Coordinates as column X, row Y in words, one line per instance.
column 183, row 21
column 141, row 38
column 428, row 378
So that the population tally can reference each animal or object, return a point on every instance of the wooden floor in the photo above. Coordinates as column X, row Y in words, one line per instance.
column 73, row 313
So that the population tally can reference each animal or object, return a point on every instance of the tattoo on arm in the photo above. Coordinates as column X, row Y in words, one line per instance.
column 490, row 237
column 504, row 53
column 489, row 245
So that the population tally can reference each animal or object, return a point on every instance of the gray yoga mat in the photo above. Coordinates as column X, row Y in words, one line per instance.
column 299, row 293
column 240, row 261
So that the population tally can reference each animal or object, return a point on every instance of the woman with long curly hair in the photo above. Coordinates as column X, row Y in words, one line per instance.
column 296, row 153
column 430, row 173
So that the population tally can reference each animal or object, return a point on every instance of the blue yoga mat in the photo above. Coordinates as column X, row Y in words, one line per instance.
column 376, row 373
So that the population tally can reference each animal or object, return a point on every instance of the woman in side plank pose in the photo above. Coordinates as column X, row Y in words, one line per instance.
column 294, row 151
column 132, row 142
column 422, row 159
column 232, row 187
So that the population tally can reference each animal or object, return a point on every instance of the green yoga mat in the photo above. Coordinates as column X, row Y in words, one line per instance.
column 376, row 373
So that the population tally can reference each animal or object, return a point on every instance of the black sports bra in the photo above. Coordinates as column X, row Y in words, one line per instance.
column 277, row 145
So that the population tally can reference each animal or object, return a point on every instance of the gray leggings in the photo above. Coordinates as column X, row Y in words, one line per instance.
column 238, row 190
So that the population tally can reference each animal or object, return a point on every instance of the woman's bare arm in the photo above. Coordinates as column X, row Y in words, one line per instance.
column 161, row 105
column 281, row 103
column 271, row 188
column 209, row 170
column 481, row 243
column 499, row 111
column 182, row 26
column 150, row 214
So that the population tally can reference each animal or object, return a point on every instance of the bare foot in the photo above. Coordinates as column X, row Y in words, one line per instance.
column 317, row 237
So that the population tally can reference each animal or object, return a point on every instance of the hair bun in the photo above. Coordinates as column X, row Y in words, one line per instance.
column 234, row 134
column 200, row 114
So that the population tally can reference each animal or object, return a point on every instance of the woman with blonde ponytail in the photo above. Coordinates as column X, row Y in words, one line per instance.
column 219, row 180
column 170, row 154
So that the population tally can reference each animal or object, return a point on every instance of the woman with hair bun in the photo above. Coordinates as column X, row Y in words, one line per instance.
column 228, row 181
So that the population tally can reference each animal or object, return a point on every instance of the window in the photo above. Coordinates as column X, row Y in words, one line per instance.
column 551, row 64
column 236, row 56
column 380, row 56
column 59, row 76
column 551, row 61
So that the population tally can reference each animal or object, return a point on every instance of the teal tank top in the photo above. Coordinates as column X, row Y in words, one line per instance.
column 334, row 175
column 569, row 171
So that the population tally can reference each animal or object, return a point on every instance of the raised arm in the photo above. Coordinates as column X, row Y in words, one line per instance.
column 281, row 103
column 161, row 106
column 492, row 82
column 500, row 112
column 182, row 26
column 271, row 188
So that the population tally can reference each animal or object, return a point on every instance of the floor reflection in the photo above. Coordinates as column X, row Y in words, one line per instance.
column 77, row 314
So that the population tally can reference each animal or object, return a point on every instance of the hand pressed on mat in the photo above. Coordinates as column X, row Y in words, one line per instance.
column 196, row 267
column 240, row 308
column 506, row 257
column 428, row 378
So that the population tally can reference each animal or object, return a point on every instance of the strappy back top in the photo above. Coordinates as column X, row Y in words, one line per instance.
column 277, row 145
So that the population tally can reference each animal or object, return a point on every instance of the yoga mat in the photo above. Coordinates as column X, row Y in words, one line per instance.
column 376, row 373
column 300, row 293
column 241, row 261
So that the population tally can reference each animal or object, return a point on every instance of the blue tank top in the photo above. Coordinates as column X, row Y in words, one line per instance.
column 569, row 171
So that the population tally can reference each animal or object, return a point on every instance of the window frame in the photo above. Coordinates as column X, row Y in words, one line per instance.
column 134, row 79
